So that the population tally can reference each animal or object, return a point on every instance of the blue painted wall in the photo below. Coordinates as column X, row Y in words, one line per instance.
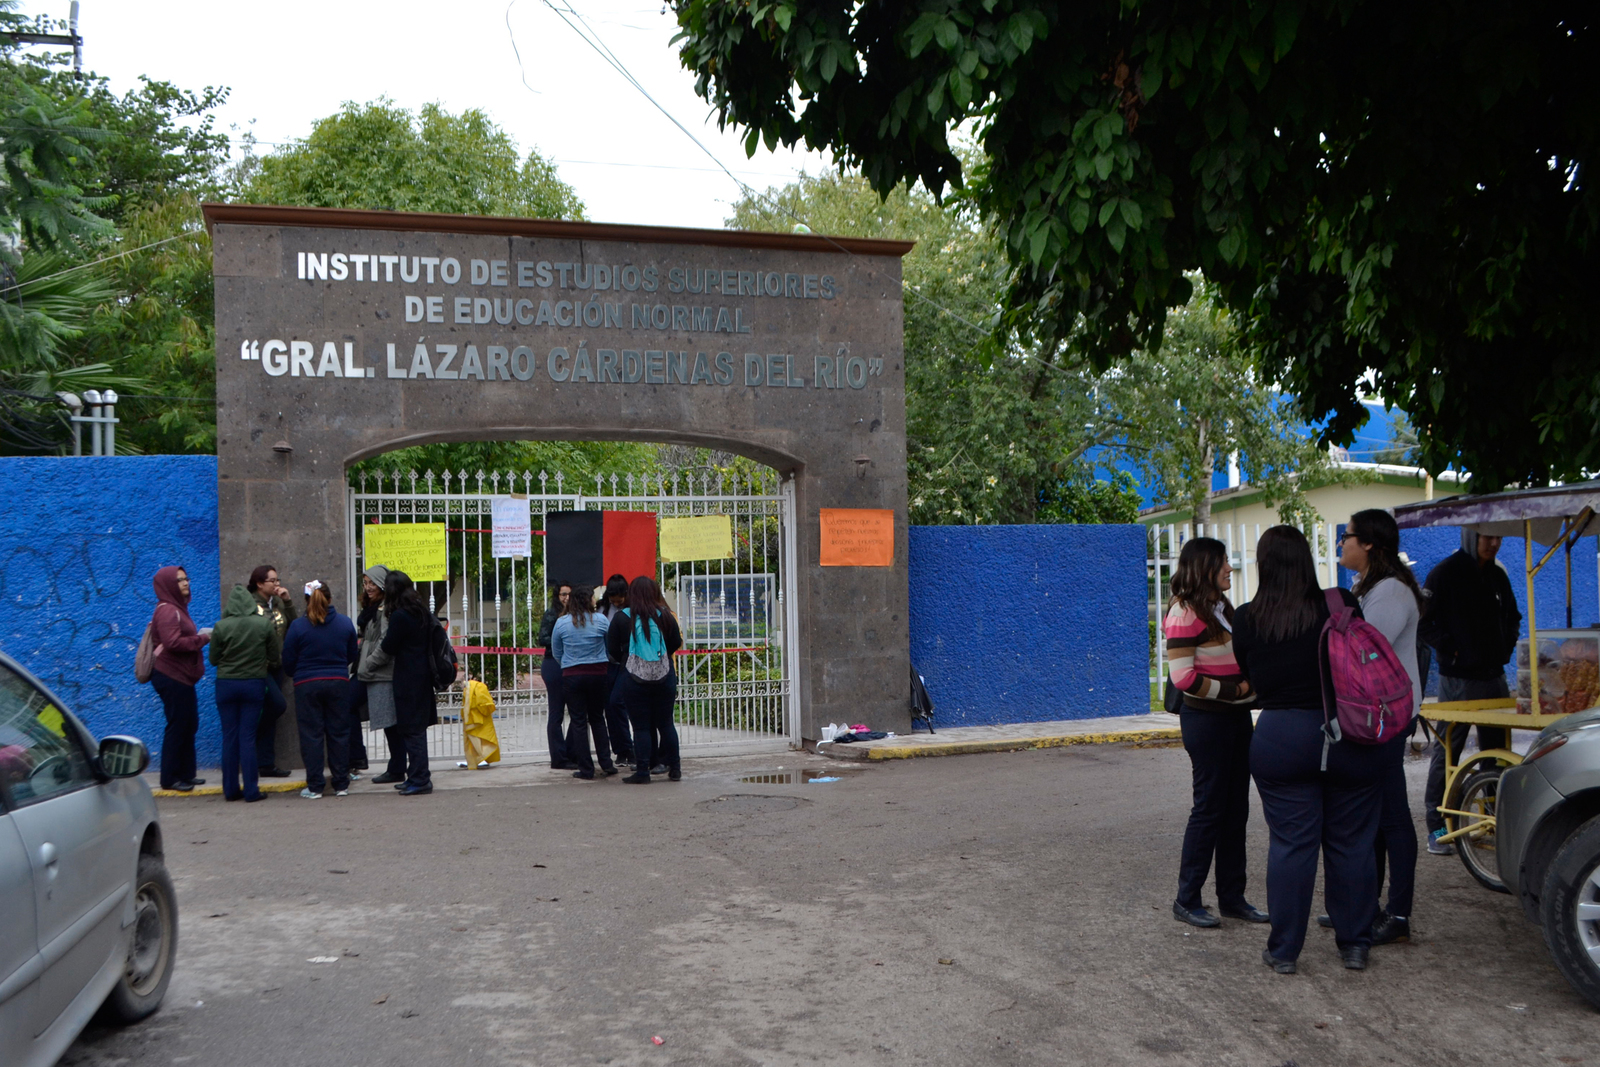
column 82, row 539
column 1030, row 623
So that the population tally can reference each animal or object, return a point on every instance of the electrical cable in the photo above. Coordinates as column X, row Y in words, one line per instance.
column 103, row 259
column 593, row 40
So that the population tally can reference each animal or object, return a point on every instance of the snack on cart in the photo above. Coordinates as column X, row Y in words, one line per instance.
column 1561, row 666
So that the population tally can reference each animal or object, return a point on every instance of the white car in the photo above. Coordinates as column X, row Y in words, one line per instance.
column 88, row 918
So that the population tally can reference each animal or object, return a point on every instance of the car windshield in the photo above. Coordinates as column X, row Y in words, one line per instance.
column 39, row 750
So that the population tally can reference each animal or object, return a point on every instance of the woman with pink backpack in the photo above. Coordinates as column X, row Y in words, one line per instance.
column 1318, row 792
column 1392, row 602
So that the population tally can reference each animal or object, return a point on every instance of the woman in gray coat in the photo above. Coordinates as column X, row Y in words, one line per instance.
column 376, row 671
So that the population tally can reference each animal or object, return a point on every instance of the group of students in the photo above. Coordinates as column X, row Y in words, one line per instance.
column 608, row 671
column 380, row 667
column 1344, row 799
column 261, row 644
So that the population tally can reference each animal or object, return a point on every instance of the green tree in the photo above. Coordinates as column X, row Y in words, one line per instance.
column 381, row 156
column 579, row 461
column 1198, row 400
column 1436, row 245
column 995, row 433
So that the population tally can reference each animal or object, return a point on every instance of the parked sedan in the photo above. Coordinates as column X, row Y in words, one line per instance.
column 90, row 922
column 1548, row 829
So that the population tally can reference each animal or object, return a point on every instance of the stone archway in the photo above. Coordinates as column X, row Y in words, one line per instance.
column 344, row 334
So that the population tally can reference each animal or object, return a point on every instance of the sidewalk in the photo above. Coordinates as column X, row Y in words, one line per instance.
column 961, row 740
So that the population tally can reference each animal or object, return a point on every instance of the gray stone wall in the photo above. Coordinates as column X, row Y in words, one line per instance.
column 786, row 349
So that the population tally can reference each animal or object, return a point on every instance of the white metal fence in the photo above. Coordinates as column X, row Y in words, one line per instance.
column 1166, row 541
column 734, row 672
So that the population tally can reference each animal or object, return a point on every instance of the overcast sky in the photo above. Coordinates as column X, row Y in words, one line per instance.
column 291, row 61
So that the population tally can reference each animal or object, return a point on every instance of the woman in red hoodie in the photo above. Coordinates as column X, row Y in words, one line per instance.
column 178, row 666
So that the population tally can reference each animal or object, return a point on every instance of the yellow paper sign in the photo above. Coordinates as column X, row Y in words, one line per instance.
column 418, row 548
column 857, row 537
column 702, row 537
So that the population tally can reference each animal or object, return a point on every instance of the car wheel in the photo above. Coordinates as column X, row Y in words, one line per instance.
column 1476, row 848
column 152, row 946
column 1570, row 910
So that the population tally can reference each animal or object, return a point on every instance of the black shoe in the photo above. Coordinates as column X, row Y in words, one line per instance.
column 674, row 776
column 1388, row 930
column 179, row 787
column 359, row 767
column 401, row 784
column 197, row 781
column 1325, row 921
column 637, row 779
column 1195, row 916
column 563, row 765
column 387, row 779
column 587, row 776
column 272, row 772
column 230, row 800
column 415, row 790
column 1246, row 912
column 1281, row 966
column 625, row 758
column 257, row 798
column 1355, row 957
column 608, row 771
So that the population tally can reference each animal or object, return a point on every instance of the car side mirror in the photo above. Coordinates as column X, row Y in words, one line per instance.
column 123, row 757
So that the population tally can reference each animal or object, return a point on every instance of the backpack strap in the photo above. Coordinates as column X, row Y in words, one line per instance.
column 1339, row 615
column 1338, row 610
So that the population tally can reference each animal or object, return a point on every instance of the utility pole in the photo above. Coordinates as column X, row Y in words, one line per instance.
column 71, row 37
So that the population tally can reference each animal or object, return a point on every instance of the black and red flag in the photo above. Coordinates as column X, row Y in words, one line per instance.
column 587, row 547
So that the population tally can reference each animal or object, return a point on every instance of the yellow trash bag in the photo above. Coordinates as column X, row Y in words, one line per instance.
column 483, row 744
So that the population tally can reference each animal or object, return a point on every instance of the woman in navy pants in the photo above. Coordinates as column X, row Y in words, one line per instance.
column 1308, row 808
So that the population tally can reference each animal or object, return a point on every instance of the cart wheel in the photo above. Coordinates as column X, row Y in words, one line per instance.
column 1477, row 847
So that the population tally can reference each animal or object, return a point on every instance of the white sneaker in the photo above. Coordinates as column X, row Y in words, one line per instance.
column 307, row 794
column 342, row 793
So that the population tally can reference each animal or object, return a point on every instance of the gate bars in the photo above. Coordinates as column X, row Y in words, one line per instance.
column 1165, row 541
column 734, row 675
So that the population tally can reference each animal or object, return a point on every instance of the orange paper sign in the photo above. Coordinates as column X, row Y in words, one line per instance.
column 857, row 537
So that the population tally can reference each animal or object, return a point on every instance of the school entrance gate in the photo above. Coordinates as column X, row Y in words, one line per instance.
column 342, row 335
column 734, row 691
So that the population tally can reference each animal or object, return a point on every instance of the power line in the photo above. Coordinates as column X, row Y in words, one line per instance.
column 593, row 40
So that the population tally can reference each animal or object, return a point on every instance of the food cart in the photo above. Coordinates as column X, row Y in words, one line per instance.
column 1558, row 671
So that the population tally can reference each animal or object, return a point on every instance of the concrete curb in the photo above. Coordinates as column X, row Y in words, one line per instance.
column 1022, row 737
column 276, row 786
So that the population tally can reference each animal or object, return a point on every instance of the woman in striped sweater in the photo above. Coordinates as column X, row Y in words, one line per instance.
column 1216, row 732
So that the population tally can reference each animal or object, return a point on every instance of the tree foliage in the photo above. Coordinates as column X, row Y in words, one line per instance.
column 383, row 157
column 1389, row 198
column 994, row 433
column 1189, row 406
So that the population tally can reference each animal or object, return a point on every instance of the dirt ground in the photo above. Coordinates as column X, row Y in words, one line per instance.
column 1006, row 909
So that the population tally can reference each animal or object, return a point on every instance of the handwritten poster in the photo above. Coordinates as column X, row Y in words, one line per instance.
column 701, row 537
column 513, row 535
column 418, row 548
column 857, row 537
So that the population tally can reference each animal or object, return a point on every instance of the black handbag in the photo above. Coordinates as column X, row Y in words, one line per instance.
column 1171, row 697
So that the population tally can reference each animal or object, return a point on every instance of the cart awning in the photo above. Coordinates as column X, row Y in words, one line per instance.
column 1502, row 514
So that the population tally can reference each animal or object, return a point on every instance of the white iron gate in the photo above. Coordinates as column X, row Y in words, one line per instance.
column 1161, row 559
column 734, row 672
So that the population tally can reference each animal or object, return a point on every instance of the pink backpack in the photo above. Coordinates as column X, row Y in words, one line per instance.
column 1366, row 693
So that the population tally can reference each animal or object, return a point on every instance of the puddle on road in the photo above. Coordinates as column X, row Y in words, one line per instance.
column 800, row 777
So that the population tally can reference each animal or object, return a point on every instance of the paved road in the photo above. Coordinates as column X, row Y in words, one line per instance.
column 567, row 923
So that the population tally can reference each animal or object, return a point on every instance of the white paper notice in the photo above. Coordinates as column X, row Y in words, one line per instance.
column 512, row 535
